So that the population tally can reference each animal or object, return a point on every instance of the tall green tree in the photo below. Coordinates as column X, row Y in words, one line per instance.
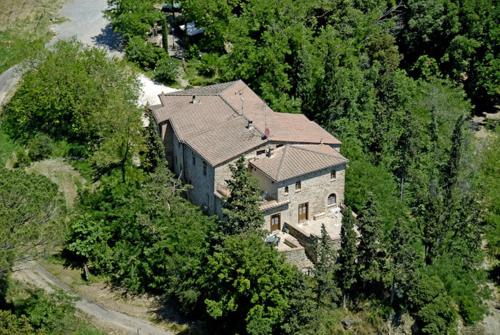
column 248, row 287
column 241, row 209
column 346, row 260
column 371, row 253
column 327, row 291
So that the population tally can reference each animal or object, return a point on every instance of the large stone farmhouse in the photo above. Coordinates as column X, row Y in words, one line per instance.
column 296, row 162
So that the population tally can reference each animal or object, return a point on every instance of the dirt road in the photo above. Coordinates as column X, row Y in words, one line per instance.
column 116, row 322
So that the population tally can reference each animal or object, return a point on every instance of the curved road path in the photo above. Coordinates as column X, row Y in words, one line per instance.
column 33, row 273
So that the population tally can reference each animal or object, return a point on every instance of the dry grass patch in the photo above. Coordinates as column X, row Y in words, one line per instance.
column 25, row 28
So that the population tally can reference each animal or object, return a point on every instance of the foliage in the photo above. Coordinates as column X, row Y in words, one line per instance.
column 460, row 37
column 435, row 312
column 144, row 54
column 371, row 253
column 94, row 106
column 489, row 182
column 48, row 313
column 29, row 209
column 346, row 273
column 40, row 147
column 11, row 324
column 241, row 209
column 166, row 70
column 132, row 18
column 247, row 286
column 141, row 233
column 325, row 268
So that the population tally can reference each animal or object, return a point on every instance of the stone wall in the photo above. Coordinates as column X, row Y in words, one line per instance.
column 298, row 258
column 315, row 189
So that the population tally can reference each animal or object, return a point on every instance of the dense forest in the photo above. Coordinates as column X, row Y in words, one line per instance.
column 398, row 83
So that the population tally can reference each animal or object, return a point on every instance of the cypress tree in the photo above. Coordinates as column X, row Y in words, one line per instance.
column 242, row 208
column 371, row 257
column 164, row 33
column 324, row 270
column 347, row 255
column 405, row 259
column 451, row 171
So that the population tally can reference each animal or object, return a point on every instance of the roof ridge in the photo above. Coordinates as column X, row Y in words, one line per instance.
column 238, row 114
column 313, row 151
column 231, row 85
column 280, row 165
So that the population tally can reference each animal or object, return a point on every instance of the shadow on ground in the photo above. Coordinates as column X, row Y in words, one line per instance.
column 109, row 39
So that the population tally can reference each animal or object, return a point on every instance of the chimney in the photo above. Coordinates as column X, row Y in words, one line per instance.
column 269, row 152
column 249, row 124
column 193, row 100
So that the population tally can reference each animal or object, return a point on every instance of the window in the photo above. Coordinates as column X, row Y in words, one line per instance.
column 275, row 222
column 333, row 174
column 332, row 199
column 298, row 186
column 204, row 168
column 286, row 189
column 260, row 152
column 193, row 158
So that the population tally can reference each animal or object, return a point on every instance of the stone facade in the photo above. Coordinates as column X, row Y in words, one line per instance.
column 297, row 164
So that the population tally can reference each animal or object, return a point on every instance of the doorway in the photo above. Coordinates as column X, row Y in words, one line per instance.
column 275, row 222
column 303, row 212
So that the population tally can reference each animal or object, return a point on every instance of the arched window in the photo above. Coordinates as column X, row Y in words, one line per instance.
column 332, row 199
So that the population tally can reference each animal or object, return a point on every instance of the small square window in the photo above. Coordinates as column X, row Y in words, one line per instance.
column 204, row 168
column 298, row 186
column 286, row 189
column 333, row 174
column 260, row 152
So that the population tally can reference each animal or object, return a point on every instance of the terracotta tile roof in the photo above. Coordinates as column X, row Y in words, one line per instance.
column 292, row 161
column 215, row 124
column 225, row 141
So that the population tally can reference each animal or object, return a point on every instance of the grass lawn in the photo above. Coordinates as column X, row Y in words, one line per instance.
column 25, row 28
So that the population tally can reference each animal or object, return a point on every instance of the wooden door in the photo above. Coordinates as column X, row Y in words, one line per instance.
column 303, row 212
column 275, row 222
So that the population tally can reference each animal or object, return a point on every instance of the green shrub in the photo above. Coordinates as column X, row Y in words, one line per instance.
column 11, row 324
column 166, row 70
column 40, row 147
column 209, row 65
column 52, row 314
column 143, row 53
column 61, row 149
column 193, row 52
column 21, row 158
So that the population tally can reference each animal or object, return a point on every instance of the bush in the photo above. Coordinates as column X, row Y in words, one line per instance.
column 40, row 147
column 166, row 70
column 209, row 65
column 193, row 52
column 21, row 158
column 49, row 313
column 143, row 53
